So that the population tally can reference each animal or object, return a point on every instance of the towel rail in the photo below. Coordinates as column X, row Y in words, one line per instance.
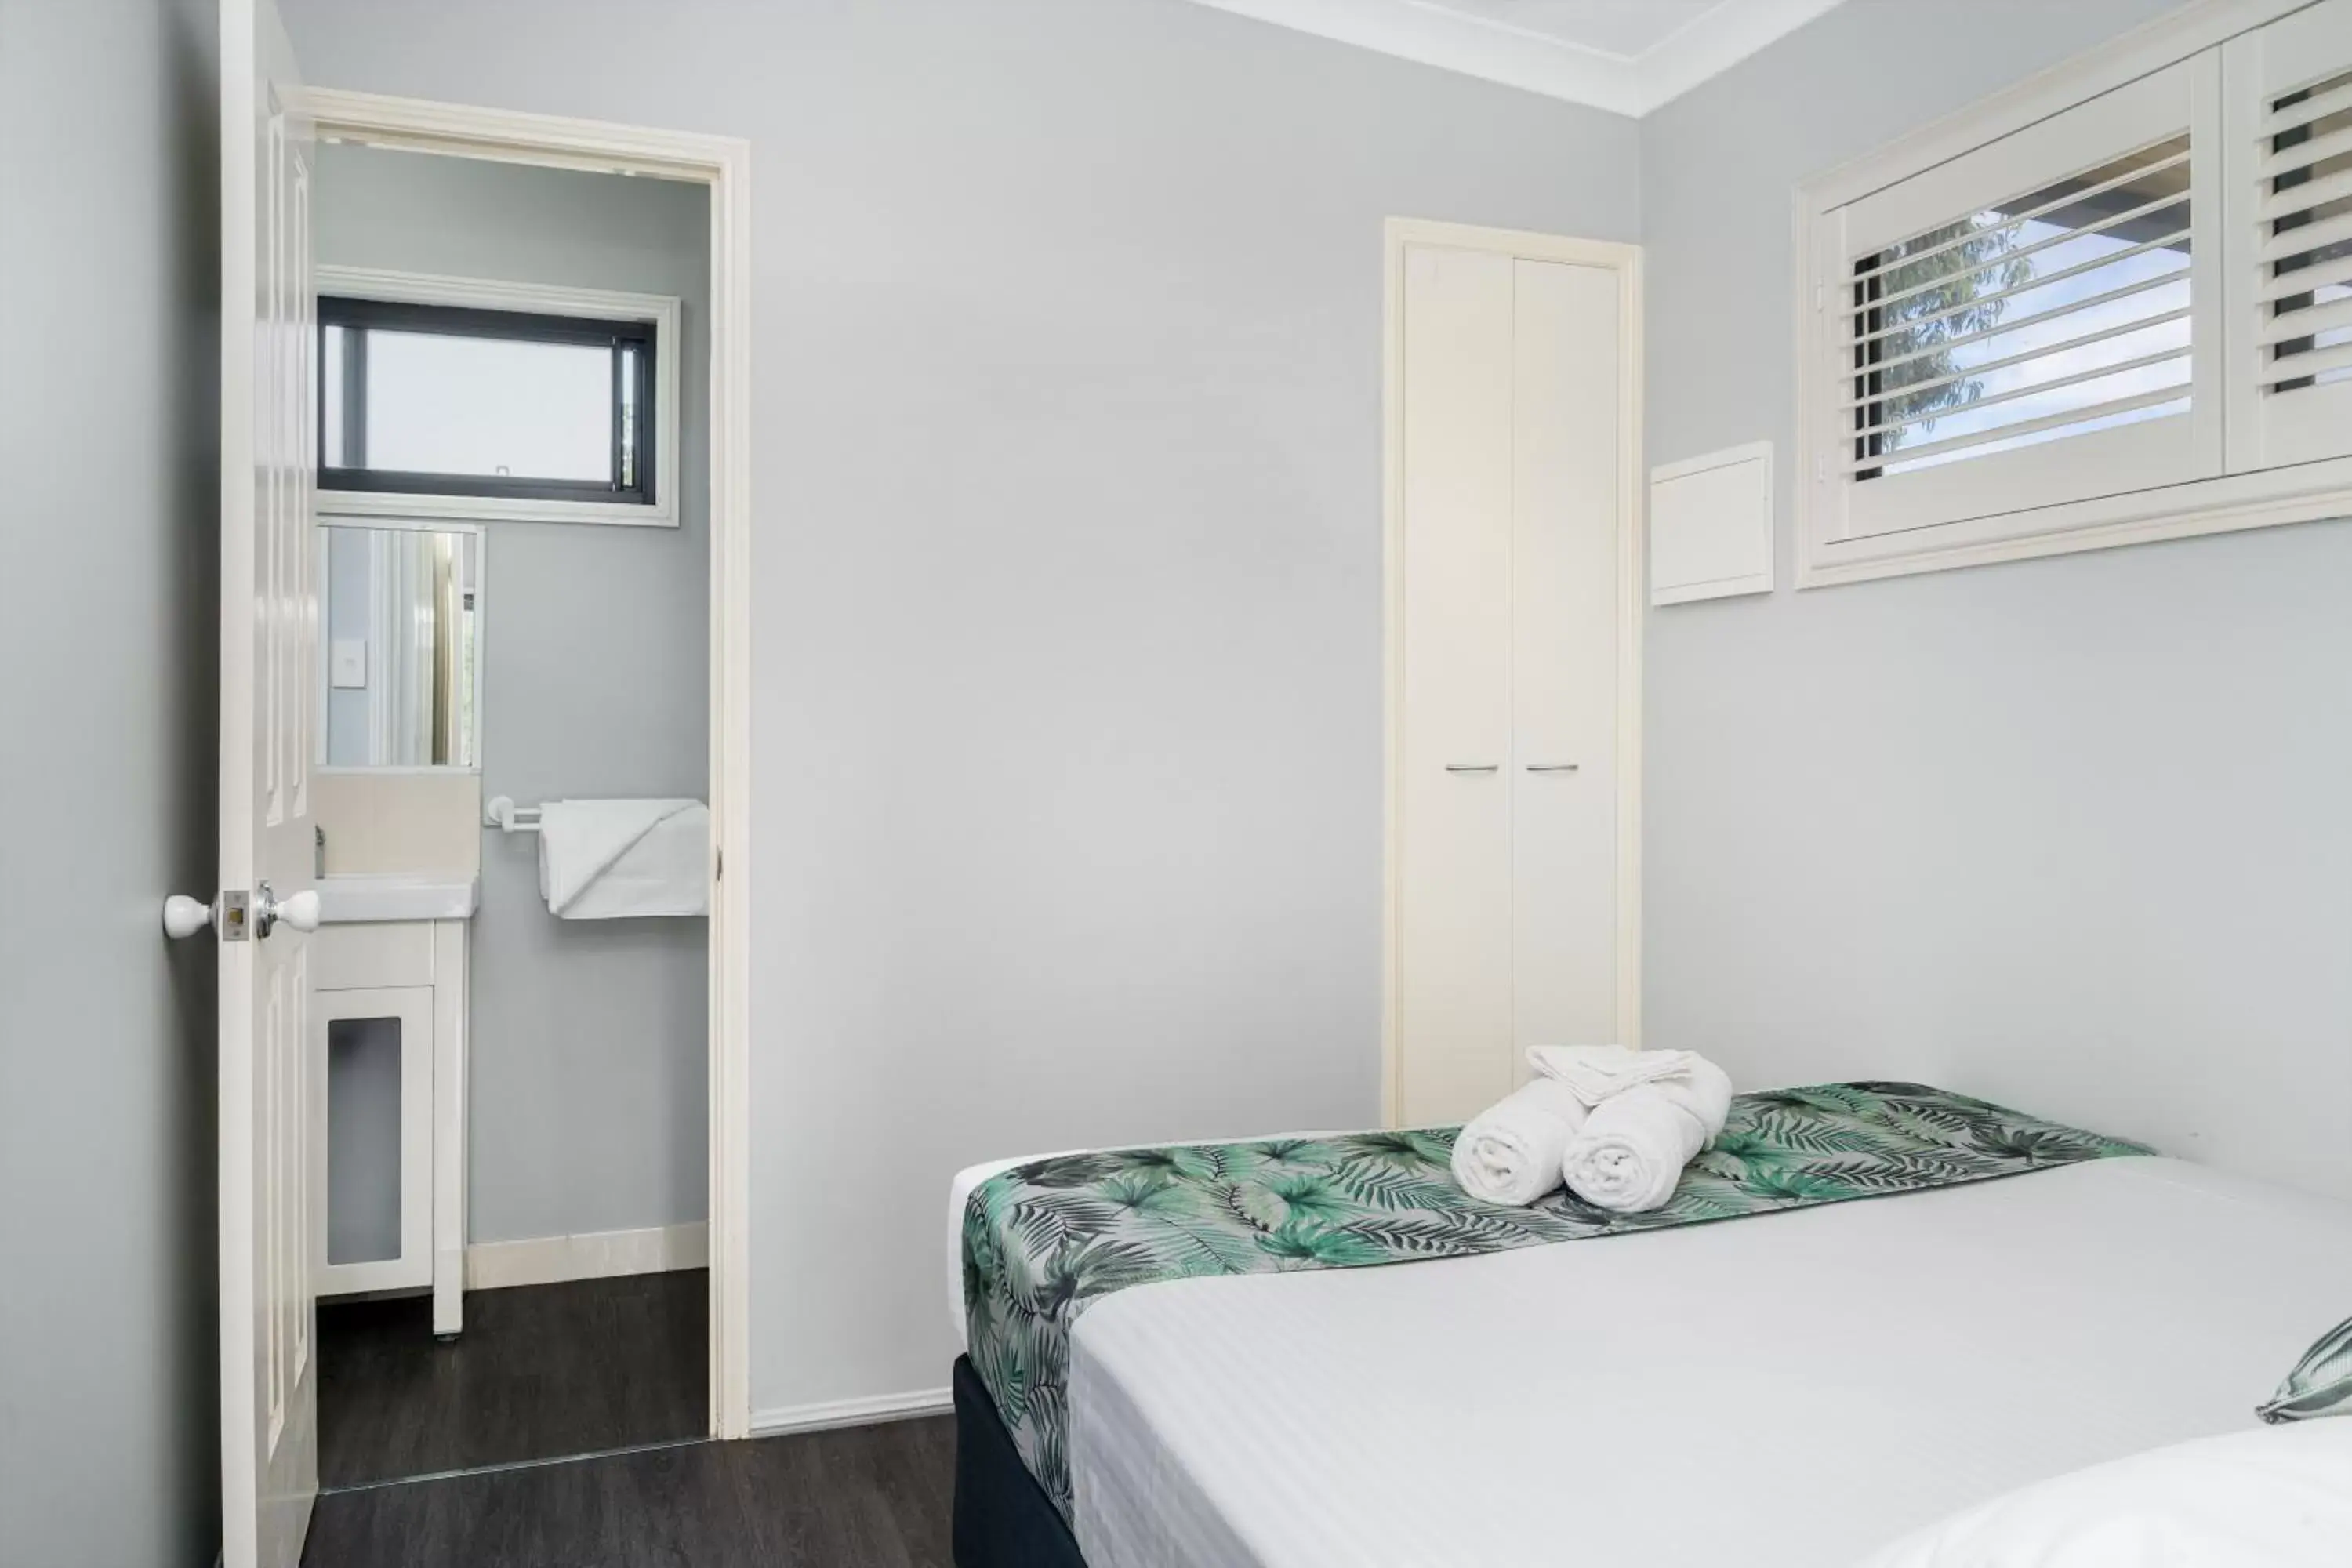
column 505, row 816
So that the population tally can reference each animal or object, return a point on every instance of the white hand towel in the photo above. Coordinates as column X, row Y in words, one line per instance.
column 1511, row 1152
column 1596, row 1072
column 1635, row 1145
column 606, row 860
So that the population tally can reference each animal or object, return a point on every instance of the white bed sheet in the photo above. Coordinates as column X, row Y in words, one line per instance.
column 1791, row 1391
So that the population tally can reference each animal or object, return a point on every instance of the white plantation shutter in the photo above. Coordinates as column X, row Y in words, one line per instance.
column 2290, row 172
column 2063, row 311
column 2034, row 322
column 2112, row 304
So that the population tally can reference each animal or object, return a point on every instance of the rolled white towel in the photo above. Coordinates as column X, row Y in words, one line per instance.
column 1632, row 1149
column 1597, row 1072
column 1512, row 1151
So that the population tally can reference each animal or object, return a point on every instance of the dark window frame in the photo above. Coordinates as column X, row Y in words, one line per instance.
column 631, row 451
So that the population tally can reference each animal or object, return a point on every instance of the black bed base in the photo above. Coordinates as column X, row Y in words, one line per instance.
column 1003, row 1517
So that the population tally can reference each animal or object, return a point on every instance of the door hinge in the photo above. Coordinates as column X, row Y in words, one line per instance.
column 717, row 864
column 1820, row 297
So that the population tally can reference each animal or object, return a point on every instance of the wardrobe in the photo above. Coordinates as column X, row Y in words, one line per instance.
column 1513, row 644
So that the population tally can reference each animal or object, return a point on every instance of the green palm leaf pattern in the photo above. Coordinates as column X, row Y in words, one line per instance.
column 2321, row 1383
column 1045, row 1241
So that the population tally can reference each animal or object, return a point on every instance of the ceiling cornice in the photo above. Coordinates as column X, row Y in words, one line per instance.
column 1474, row 46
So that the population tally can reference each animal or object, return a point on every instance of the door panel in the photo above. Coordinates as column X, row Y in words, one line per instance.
column 270, row 1102
column 1454, row 872
column 1564, row 638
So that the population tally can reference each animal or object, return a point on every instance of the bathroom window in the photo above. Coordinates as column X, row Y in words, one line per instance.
column 445, row 397
column 431, row 400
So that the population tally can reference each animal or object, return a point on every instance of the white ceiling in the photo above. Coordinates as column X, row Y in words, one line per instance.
column 1622, row 27
column 1626, row 56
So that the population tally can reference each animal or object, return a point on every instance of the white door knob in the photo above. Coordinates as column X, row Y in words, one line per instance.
column 183, row 916
column 299, row 911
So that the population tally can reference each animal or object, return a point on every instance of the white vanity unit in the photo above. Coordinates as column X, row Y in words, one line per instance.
column 389, row 1008
column 397, row 801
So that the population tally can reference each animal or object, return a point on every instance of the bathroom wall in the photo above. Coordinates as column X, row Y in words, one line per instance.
column 589, row 1038
column 379, row 822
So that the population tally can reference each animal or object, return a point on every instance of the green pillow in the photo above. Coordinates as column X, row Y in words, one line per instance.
column 2321, row 1383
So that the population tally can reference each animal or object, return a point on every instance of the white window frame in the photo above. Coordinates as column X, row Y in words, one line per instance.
column 2225, row 501
column 534, row 299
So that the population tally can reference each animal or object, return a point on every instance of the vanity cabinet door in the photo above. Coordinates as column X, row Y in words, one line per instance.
column 373, row 1056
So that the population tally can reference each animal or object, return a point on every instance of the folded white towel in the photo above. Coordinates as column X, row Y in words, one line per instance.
column 1632, row 1148
column 1511, row 1152
column 610, row 860
column 1596, row 1072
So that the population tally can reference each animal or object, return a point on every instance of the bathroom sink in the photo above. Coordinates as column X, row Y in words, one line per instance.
column 399, row 896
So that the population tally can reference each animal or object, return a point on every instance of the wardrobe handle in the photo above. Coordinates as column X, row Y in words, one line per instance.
column 1551, row 767
column 1474, row 767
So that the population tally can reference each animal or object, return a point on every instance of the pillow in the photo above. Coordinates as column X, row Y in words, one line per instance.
column 2260, row 1498
column 2321, row 1383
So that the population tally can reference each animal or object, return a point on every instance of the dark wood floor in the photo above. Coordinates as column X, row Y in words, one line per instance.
column 870, row 1496
column 542, row 1370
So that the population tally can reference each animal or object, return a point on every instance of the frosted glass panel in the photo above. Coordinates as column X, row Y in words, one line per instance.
column 362, row 1140
column 444, row 404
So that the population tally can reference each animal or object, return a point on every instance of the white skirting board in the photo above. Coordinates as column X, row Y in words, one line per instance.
column 867, row 1412
column 598, row 1255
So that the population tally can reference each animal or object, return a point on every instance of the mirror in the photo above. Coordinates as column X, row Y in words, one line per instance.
column 400, row 647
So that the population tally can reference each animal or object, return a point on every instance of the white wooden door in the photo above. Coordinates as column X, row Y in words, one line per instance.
column 1506, row 886
column 1564, row 609
column 270, row 1102
column 1453, row 789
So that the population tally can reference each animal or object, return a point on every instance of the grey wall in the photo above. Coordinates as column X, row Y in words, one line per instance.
column 1066, row 576
column 589, row 1037
column 109, row 428
column 2066, row 833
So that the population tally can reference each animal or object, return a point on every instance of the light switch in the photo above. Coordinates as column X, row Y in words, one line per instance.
column 347, row 663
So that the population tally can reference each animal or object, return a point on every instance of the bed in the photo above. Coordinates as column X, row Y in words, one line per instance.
column 1791, row 1390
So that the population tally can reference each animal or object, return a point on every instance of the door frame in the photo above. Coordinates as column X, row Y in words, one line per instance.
column 1625, row 261
column 723, row 163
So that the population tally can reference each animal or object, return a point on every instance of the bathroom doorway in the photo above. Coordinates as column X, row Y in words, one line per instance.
column 522, row 1003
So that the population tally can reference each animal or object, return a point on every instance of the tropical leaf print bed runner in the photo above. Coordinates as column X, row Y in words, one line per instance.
column 1045, row 1241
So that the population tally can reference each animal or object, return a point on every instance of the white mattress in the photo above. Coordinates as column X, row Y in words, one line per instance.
column 1786, row 1392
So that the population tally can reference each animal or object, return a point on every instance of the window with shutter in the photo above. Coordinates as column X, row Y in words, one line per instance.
column 2291, row 97
column 2057, row 314
column 2112, row 305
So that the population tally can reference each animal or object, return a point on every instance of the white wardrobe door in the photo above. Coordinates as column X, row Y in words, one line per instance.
column 1453, row 863
column 1564, row 682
